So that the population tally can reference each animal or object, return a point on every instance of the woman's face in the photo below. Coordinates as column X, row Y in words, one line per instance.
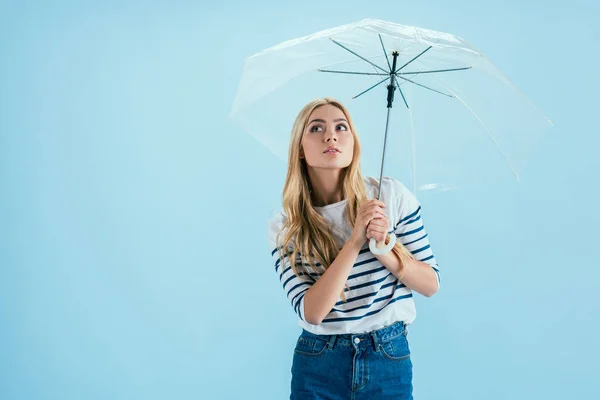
column 327, row 126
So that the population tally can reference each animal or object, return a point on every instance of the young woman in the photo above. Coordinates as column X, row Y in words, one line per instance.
column 353, row 306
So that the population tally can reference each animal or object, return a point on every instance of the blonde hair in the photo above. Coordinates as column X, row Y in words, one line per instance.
column 308, row 230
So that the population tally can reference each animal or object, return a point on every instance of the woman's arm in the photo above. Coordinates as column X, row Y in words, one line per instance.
column 416, row 275
column 417, row 268
column 325, row 292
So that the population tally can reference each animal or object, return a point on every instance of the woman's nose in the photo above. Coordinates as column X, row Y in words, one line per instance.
column 330, row 135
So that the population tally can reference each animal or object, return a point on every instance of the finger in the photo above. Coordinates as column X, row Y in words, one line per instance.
column 379, row 230
column 377, row 222
column 380, row 215
column 375, row 215
column 376, row 229
column 378, row 209
column 375, row 202
column 378, row 237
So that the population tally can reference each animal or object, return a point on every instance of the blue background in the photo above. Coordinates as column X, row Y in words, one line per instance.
column 133, row 256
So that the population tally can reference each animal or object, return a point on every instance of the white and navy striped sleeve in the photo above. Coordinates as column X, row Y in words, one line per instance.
column 410, row 229
column 294, row 287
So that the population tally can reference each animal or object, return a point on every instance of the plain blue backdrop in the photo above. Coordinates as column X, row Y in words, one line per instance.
column 133, row 252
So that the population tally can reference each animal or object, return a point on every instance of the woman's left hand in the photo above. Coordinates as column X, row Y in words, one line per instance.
column 378, row 228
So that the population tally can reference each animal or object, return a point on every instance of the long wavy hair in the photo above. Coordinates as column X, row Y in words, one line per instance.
column 314, row 249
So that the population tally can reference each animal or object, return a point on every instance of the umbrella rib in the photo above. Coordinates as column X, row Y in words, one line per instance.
column 402, row 94
column 351, row 72
column 414, row 150
column 423, row 86
column 429, row 72
column 423, row 52
column 384, row 52
column 359, row 56
column 378, row 83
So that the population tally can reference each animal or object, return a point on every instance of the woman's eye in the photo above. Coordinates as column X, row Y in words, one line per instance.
column 315, row 128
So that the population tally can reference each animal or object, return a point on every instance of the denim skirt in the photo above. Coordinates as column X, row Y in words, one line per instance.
column 372, row 365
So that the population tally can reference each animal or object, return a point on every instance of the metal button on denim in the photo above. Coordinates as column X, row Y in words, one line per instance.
column 356, row 340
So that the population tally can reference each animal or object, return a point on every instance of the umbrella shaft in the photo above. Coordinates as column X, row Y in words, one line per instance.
column 390, row 99
column 387, row 122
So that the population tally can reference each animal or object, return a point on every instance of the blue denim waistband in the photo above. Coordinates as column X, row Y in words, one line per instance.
column 360, row 339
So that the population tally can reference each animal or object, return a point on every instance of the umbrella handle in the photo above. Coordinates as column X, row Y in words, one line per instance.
column 382, row 250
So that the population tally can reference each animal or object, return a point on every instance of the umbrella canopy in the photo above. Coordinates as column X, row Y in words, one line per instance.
column 457, row 120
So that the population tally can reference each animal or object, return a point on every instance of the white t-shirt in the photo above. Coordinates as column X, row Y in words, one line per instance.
column 376, row 298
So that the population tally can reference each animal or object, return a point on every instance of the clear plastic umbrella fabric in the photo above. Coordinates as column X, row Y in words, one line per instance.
column 456, row 118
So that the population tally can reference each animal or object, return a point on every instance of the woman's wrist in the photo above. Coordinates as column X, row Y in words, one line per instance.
column 356, row 244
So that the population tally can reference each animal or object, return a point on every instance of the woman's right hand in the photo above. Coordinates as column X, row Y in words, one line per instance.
column 371, row 209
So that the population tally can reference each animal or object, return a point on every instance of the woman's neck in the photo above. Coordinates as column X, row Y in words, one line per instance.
column 326, row 187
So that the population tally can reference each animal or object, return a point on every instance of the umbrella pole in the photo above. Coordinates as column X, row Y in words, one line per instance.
column 390, row 99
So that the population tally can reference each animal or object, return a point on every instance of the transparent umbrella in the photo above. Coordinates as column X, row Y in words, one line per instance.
column 460, row 121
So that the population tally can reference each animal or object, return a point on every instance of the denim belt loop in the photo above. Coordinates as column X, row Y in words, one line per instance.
column 375, row 341
column 331, row 342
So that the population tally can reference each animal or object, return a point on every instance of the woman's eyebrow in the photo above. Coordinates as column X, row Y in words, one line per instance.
column 323, row 121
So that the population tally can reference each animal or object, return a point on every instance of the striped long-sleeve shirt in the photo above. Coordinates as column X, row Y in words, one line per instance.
column 375, row 298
